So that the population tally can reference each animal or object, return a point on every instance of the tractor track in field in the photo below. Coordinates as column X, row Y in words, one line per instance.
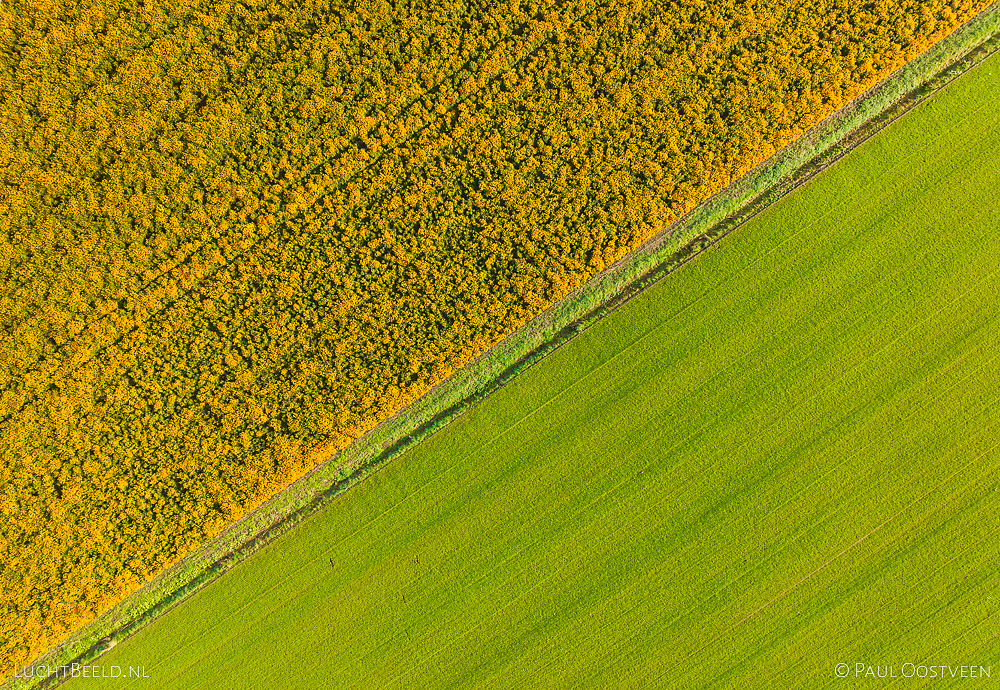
column 278, row 521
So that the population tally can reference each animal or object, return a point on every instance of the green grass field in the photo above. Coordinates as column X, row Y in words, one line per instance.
column 781, row 458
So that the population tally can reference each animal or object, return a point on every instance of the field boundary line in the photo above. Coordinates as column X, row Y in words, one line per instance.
column 606, row 292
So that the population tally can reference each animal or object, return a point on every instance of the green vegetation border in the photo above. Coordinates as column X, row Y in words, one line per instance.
column 607, row 291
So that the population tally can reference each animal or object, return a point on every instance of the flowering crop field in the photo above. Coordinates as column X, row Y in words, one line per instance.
column 237, row 235
column 782, row 458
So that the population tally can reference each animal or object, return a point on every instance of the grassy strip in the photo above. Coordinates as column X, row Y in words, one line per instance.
column 555, row 327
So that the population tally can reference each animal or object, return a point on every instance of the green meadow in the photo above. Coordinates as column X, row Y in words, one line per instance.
column 781, row 458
